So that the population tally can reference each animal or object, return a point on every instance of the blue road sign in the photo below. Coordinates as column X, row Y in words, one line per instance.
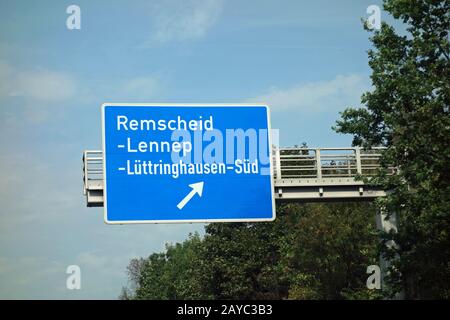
column 187, row 163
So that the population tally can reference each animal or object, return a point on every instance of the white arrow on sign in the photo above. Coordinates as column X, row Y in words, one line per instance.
column 196, row 188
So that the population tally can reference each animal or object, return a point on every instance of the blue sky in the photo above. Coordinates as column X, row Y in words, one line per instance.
column 306, row 59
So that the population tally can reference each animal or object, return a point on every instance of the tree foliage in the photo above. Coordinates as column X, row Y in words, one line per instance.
column 408, row 112
column 314, row 251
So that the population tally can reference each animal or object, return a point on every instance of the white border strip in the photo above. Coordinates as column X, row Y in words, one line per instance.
column 105, row 194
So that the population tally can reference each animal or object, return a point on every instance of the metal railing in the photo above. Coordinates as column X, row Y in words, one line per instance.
column 289, row 163
column 319, row 163
column 92, row 170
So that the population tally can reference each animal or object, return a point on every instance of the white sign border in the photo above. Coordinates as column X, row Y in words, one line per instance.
column 124, row 104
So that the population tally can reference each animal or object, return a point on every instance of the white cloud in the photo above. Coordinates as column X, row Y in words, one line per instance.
column 45, row 85
column 18, row 275
column 92, row 260
column 180, row 20
column 36, row 85
column 320, row 96
column 141, row 87
column 38, row 277
column 34, row 189
column 133, row 89
column 104, row 263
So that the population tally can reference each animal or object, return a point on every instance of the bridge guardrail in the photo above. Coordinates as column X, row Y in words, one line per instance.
column 301, row 167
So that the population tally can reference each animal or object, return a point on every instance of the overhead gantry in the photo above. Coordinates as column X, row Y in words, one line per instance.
column 300, row 174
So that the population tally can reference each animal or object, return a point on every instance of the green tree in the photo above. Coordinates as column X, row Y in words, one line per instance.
column 408, row 112
column 314, row 251
column 328, row 249
column 173, row 274
column 242, row 259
